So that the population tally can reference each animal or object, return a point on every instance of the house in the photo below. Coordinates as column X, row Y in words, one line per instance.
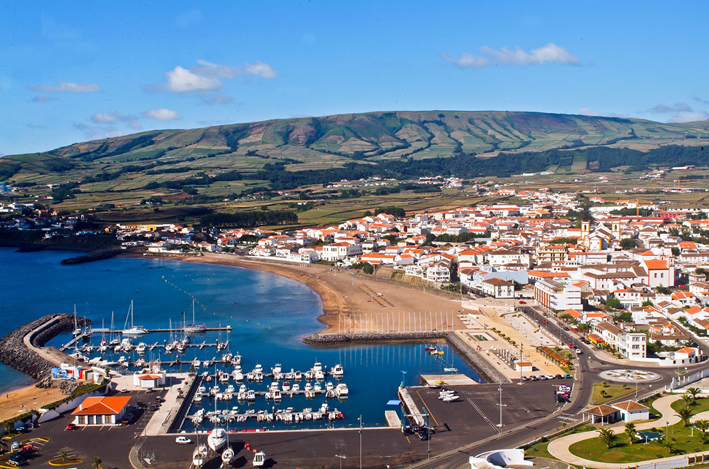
column 602, row 414
column 686, row 355
column 498, row 288
column 631, row 411
column 101, row 410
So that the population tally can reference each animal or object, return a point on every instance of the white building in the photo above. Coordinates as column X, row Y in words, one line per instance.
column 338, row 251
column 498, row 288
column 557, row 296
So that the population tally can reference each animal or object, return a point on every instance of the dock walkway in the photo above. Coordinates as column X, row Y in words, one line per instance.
column 411, row 406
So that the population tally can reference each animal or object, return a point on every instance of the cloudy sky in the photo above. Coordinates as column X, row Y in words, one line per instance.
column 75, row 71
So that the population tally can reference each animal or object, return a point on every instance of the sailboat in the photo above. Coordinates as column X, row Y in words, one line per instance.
column 451, row 368
column 228, row 454
column 77, row 330
column 199, row 456
column 113, row 340
column 133, row 330
column 217, row 439
column 194, row 328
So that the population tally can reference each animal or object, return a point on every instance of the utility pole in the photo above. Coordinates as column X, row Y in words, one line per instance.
column 360, row 442
column 500, row 389
column 521, row 361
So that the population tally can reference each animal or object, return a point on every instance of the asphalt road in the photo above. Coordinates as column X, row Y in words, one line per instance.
column 588, row 368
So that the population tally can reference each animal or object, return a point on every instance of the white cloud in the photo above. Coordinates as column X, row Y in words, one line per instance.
column 98, row 133
column 207, row 76
column 43, row 99
column 467, row 60
column 181, row 80
column 682, row 117
column 678, row 107
column 584, row 111
column 68, row 87
column 260, row 69
column 110, row 117
column 162, row 115
column 549, row 53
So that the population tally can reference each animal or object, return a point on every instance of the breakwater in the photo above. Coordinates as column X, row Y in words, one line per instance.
column 17, row 347
column 475, row 360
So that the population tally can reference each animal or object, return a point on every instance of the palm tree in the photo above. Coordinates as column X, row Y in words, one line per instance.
column 97, row 462
column 702, row 425
column 694, row 392
column 8, row 426
column 671, row 446
column 685, row 413
column 630, row 431
column 607, row 436
column 62, row 454
column 688, row 400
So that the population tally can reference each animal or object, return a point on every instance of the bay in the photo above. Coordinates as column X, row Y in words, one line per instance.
column 269, row 315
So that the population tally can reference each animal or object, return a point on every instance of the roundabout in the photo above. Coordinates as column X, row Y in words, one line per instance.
column 630, row 376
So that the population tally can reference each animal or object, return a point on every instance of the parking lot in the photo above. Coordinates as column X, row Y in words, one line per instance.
column 476, row 414
column 111, row 444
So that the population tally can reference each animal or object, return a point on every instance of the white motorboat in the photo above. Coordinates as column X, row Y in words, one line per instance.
column 236, row 359
column 337, row 371
column 295, row 388
column 237, row 375
column 259, row 459
column 451, row 398
column 196, row 363
column 319, row 375
column 223, row 377
column 133, row 329
column 198, row 397
column 199, row 456
column 286, row 386
column 141, row 348
column 228, row 456
column 308, row 387
column 251, row 395
column 217, row 439
column 342, row 390
column 329, row 386
column 317, row 387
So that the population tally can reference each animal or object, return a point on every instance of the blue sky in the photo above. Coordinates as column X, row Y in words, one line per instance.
column 75, row 71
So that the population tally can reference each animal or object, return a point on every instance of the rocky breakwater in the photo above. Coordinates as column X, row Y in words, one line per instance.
column 15, row 352
column 475, row 360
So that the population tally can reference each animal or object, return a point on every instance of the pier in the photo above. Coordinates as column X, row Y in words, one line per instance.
column 90, row 332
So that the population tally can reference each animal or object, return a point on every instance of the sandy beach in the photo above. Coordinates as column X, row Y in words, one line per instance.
column 355, row 302
column 23, row 400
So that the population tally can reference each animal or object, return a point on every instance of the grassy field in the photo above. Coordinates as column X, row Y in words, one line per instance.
column 602, row 394
column 540, row 450
column 624, row 452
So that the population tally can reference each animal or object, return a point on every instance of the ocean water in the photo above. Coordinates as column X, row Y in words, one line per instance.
column 269, row 316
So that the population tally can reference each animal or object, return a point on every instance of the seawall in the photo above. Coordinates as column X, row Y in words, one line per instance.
column 15, row 353
column 476, row 361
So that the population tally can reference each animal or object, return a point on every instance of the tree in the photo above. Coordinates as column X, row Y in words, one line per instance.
column 607, row 436
column 647, row 303
column 702, row 425
column 8, row 426
column 627, row 243
column 97, row 462
column 630, row 431
column 62, row 454
column 686, row 414
column 368, row 269
column 688, row 399
column 613, row 302
column 693, row 392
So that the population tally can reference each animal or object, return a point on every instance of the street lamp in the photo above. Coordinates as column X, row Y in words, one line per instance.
column 500, row 389
column 341, row 456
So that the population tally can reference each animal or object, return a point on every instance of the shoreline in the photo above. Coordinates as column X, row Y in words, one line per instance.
column 350, row 302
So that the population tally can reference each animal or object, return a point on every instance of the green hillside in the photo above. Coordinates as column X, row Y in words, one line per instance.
column 287, row 153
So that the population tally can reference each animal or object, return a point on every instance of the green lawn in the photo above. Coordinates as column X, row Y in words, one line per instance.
column 611, row 391
column 623, row 452
column 699, row 406
column 540, row 450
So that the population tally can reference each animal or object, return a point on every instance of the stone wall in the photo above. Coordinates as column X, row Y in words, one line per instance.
column 14, row 353
column 475, row 360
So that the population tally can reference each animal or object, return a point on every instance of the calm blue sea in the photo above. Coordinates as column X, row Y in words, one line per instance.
column 269, row 315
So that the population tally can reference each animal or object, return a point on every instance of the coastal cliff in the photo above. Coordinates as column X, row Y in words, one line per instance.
column 15, row 353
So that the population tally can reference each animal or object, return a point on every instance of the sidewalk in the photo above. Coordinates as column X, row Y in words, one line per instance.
column 559, row 448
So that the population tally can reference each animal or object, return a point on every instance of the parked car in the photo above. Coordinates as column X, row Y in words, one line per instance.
column 571, row 345
column 523, row 302
column 567, row 375
column 15, row 446
column 542, row 377
column 557, row 376
column 579, row 351
column 71, row 426
column 127, row 418
column 16, row 460
column 182, row 440
column 533, row 377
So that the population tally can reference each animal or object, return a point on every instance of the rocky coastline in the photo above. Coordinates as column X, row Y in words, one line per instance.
column 14, row 352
